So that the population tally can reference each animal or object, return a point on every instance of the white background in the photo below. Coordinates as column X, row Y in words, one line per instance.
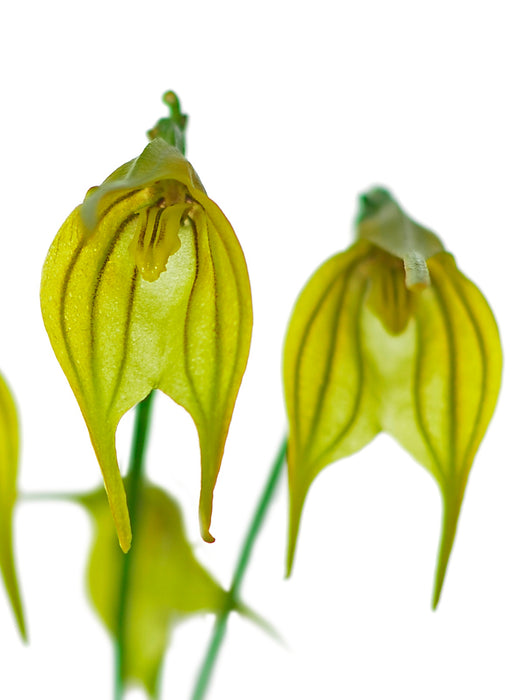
column 295, row 108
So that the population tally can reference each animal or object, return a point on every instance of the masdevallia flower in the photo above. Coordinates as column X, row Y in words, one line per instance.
column 390, row 336
column 145, row 287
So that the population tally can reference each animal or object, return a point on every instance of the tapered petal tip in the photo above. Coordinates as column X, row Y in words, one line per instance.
column 125, row 544
column 18, row 610
column 296, row 507
column 289, row 562
column 123, row 528
column 22, row 629
column 205, row 520
column 438, row 587
column 207, row 536
column 293, row 531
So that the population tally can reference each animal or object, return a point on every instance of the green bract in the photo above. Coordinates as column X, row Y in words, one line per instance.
column 167, row 583
column 145, row 287
column 390, row 336
column 8, row 494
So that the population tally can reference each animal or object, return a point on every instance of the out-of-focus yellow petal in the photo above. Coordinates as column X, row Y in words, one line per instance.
column 8, row 494
column 145, row 287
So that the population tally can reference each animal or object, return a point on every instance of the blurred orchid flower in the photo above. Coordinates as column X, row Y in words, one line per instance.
column 390, row 336
column 145, row 287
column 167, row 583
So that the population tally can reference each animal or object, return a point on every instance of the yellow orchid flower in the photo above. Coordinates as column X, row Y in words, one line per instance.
column 145, row 287
column 390, row 336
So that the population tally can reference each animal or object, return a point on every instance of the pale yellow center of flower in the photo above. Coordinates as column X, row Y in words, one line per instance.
column 159, row 223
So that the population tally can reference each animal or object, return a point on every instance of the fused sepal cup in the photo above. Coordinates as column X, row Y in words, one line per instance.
column 145, row 287
column 390, row 336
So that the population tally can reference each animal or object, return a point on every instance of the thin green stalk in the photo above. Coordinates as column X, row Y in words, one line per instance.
column 133, row 483
column 219, row 629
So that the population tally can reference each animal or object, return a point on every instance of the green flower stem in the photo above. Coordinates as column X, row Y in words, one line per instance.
column 219, row 629
column 134, row 483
